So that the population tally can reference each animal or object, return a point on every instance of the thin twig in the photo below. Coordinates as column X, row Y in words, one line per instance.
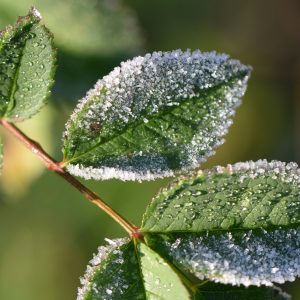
column 56, row 167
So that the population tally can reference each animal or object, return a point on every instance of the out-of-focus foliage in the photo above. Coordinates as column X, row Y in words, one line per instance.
column 85, row 27
column 21, row 167
column 53, row 228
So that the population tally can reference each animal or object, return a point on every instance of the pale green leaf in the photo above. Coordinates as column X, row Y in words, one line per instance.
column 236, row 225
column 154, row 116
column 160, row 281
column 27, row 62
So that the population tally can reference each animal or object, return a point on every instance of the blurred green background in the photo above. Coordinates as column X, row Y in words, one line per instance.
column 48, row 231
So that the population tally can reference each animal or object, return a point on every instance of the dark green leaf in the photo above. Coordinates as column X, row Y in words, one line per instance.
column 27, row 62
column 154, row 116
column 237, row 225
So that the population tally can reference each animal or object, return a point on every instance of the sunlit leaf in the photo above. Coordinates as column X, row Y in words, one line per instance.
column 154, row 116
column 235, row 225
column 27, row 62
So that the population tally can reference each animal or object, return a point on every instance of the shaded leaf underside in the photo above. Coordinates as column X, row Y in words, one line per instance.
column 27, row 62
column 153, row 116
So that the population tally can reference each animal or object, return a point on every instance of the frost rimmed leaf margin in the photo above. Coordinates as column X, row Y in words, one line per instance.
column 27, row 66
column 237, row 225
column 154, row 116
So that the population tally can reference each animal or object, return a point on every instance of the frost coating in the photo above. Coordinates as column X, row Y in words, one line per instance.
column 87, row 280
column 142, row 106
column 286, row 172
column 240, row 258
column 108, row 173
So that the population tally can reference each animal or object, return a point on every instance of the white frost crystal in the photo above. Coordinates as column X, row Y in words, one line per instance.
column 285, row 172
column 257, row 257
column 139, row 91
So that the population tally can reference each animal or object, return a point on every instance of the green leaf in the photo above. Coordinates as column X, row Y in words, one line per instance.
column 113, row 274
column 27, row 62
column 131, row 270
column 160, row 281
column 122, row 270
column 234, row 225
column 154, row 116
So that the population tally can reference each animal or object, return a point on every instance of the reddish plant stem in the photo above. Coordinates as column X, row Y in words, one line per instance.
column 56, row 167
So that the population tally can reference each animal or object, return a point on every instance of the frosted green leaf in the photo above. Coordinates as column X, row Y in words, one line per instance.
column 113, row 274
column 154, row 116
column 121, row 271
column 27, row 62
column 234, row 225
column 127, row 270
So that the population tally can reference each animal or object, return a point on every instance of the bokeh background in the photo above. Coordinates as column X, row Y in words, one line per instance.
column 48, row 231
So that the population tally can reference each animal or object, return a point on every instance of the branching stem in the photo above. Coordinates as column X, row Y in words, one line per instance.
column 56, row 167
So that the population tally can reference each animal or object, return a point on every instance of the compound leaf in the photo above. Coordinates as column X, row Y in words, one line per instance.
column 234, row 225
column 27, row 62
column 154, row 116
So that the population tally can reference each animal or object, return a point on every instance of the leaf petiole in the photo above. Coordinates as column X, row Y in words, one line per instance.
column 56, row 167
